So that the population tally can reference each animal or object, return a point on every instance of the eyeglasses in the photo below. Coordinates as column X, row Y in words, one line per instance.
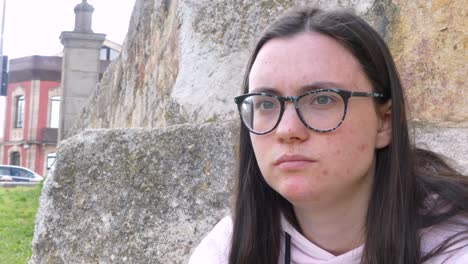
column 322, row 110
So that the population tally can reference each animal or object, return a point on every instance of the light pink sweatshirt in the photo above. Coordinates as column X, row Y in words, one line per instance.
column 214, row 248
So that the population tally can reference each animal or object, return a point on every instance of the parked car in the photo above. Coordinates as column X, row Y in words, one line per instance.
column 10, row 173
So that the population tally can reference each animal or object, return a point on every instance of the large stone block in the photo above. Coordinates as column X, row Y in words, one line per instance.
column 135, row 195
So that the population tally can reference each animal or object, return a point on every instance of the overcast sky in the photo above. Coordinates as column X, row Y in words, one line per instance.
column 33, row 27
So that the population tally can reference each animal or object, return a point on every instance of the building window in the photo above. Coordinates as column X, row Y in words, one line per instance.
column 54, row 112
column 108, row 53
column 19, row 114
column 50, row 160
column 113, row 54
column 104, row 53
column 15, row 158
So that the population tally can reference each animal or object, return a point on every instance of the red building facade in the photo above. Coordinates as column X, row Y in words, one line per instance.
column 32, row 112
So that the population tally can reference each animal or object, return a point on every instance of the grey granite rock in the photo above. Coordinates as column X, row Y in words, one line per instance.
column 451, row 142
column 135, row 195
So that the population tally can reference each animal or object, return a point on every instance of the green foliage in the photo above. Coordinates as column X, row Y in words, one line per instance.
column 18, row 207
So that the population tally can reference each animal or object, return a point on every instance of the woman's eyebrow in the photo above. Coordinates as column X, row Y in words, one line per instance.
column 264, row 89
column 303, row 89
column 319, row 85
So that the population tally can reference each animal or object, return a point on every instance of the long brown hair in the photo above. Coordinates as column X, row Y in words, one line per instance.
column 405, row 177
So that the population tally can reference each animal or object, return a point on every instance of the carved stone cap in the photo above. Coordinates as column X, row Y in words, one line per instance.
column 84, row 7
column 83, row 17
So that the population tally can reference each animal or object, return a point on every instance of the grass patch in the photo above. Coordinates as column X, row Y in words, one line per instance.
column 18, row 207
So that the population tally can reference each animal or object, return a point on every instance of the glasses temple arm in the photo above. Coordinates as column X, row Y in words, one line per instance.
column 364, row 94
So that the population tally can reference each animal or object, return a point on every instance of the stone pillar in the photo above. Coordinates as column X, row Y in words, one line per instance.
column 80, row 67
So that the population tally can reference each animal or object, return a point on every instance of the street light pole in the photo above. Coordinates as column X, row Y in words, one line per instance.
column 3, row 62
column 3, row 28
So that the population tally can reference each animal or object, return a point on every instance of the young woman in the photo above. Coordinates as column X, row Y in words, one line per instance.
column 326, row 170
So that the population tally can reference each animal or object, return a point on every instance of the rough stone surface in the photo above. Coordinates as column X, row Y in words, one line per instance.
column 451, row 142
column 135, row 195
column 430, row 46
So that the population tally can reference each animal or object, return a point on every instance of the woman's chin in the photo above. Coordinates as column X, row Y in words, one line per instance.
column 299, row 193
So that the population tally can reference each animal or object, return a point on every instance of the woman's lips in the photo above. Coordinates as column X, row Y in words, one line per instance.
column 293, row 162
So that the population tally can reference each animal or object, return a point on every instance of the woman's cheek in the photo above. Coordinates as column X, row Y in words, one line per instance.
column 349, row 153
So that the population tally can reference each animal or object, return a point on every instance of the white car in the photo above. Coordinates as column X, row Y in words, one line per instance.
column 10, row 173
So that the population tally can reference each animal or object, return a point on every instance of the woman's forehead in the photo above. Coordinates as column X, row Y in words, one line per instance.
column 302, row 59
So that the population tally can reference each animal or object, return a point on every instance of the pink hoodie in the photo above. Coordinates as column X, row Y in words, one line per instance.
column 214, row 248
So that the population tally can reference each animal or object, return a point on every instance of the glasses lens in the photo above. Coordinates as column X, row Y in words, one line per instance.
column 260, row 113
column 322, row 110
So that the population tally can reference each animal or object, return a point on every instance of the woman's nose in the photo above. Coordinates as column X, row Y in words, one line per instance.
column 290, row 127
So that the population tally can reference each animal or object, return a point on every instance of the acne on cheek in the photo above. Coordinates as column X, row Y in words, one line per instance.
column 315, row 198
column 319, row 177
column 325, row 172
column 363, row 147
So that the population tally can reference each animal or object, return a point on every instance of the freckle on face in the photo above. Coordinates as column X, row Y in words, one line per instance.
column 316, row 198
column 319, row 177
column 363, row 147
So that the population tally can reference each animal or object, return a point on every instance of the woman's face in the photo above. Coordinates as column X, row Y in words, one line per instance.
column 302, row 165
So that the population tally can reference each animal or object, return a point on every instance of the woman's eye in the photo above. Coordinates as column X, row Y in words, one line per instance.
column 265, row 105
column 323, row 100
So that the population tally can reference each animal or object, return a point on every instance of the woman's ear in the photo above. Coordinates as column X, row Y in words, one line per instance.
column 384, row 129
